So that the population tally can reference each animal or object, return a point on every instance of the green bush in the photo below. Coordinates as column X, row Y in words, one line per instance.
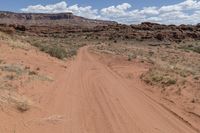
column 57, row 52
column 71, row 52
column 54, row 51
column 131, row 56
column 155, row 77
column 197, row 49
column 191, row 48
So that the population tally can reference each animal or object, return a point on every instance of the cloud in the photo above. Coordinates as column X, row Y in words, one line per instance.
column 62, row 6
column 187, row 12
column 118, row 10
column 58, row 7
column 83, row 11
column 186, row 5
column 150, row 11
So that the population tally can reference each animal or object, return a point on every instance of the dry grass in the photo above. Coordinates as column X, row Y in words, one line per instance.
column 174, row 72
column 14, row 41
column 191, row 47
column 169, row 58
column 54, row 119
column 132, row 56
column 10, row 97
column 54, row 51
column 56, row 47
column 171, row 68
column 10, row 75
column 159, row 77
column 12, row 68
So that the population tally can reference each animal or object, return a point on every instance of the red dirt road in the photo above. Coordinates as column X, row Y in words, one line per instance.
column 96, row 100
column 91, row 98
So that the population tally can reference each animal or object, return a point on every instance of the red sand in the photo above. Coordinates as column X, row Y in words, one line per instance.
column 86, row 97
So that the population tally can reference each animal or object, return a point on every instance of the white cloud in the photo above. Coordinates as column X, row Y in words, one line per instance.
column 186, row 5
column 83, row 11
column 118, row 10
column 187, row 12
column 124, row 6
column 150, row 11
column 58, row 7
column 63, row 7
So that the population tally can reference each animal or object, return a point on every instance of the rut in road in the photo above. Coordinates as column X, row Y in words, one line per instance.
column 96, row 100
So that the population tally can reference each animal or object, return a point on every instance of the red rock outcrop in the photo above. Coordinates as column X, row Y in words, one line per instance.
column 61, row 24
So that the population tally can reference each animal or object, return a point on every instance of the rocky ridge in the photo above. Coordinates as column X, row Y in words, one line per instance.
column 60, row 25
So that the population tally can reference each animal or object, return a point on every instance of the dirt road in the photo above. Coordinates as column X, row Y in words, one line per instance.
column 96, row 100
column 92, row 98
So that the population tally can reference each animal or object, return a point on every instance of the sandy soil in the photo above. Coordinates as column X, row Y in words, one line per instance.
column 87, row 95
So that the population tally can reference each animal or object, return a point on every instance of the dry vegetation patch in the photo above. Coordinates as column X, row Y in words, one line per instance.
column 174, row 70
column 11, row 78
column 9, row 96
column 54, row 51
column 56, row 47
column 158, row 77
column 8, row 90
column 195, row 47
column 14, row 41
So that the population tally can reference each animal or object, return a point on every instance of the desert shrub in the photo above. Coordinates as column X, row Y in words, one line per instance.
column 23, row 106
column 9, row 96
column 12, row 68
column 71, row 52
column 54, row 51
column 58, row 51
column 183, row 73
column 10, row 77
column 131, row 56
column 169, row 81
column 157, row 77
column 197, row 49
column 32, row 73
column 191, row 48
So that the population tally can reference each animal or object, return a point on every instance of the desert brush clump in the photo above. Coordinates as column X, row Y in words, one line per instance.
column 23, row 105
column 14, row 41
column 71, row 52
column 32, row 73
column 12, row 68
column 10, row 76
column 10, row 97
column 57, row 47
column 158, row 77
column 53, row 50
column 190, row 47
column 131, row 56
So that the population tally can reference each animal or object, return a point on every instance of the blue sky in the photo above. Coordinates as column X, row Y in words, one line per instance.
column 16, row 5
column 122, row 11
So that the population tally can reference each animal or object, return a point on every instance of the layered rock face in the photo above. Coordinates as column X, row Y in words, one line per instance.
column 150, row 31
column 40, row 19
